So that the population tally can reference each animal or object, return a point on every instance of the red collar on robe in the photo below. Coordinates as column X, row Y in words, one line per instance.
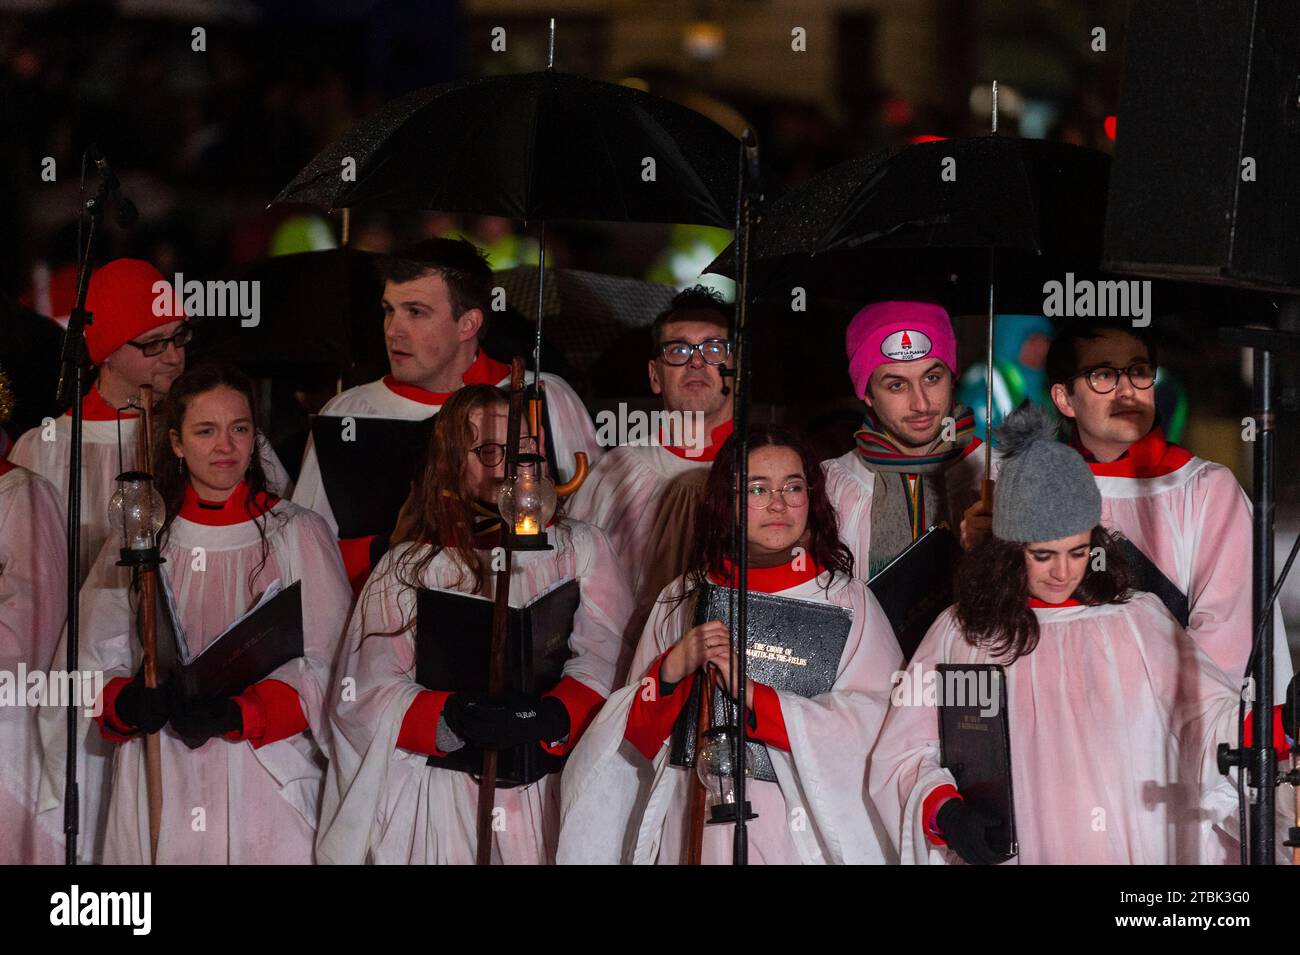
column 95, row 408
column 718, row 435
column 1044, row 605
column 769, row 580
column 6, row 466
column 233, row 510
column 1149, row 456
column 483, row 371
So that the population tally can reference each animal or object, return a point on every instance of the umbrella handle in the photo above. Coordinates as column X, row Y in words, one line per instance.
column 579, row 475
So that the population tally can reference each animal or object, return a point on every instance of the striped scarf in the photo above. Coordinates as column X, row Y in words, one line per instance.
column 882, row 452
column 900, row 512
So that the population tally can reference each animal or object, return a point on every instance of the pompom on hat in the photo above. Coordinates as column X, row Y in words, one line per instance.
column 1045, row 490
column 885, row 332
column 121, row 299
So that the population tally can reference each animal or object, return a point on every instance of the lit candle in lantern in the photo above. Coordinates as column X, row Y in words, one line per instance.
column 527, row 524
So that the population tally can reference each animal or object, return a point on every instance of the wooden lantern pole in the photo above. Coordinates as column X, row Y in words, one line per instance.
column 149, row 635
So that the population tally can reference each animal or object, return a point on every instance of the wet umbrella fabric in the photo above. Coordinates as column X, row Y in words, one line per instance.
column 544, row 145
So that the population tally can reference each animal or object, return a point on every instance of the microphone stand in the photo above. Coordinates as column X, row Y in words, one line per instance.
column 1260, row 759
column 748, row 200
column 72, row 364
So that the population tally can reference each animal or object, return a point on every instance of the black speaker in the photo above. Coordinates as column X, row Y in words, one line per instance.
column 1209, row 85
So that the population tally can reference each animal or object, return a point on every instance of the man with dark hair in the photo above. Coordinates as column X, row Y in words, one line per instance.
column 436, row 300
column 1187, row 518
column 913, row 465
column 644, row 494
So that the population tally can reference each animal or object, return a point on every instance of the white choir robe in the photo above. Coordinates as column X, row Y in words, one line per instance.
column 258, row 805
column 851, row 486
column 386, row 805
column 645, row 499
column 570, row 422
column 619, row 807
column 33, row 610
column 45, row 449
column 1191, row 518
column 1114, row 722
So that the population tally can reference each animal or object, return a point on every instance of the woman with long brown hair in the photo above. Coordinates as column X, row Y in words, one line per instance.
column 624, row 801
column 241, row 774
column 384, row 802
column 1113, row 711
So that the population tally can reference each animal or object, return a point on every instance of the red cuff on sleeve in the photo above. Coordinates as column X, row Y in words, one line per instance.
column 356, row 560
column 271, row 711
column 770, row 730
column 930, row 811
column 419, row 732
column 582, row 703
column 1279, row 732
column 111, row 726
column 652, row 716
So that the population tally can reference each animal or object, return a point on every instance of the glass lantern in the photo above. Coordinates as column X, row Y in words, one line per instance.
column 136, row 512
column 715, row 763
column 526, row 503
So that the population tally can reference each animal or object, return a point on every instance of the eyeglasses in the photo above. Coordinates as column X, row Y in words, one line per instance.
column 157, row 346
column 794, row 494
column 714, row 351
column 1104, row 379
column 491, row 454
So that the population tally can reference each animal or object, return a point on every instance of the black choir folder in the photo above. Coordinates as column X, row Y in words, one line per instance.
column 453, row 634
column 917, row 585
column 976, row 748
column 794, row 645
column 262, row 640
column 368, row 476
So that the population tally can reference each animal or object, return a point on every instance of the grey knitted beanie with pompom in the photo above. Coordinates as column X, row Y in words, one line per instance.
column 1045, row 490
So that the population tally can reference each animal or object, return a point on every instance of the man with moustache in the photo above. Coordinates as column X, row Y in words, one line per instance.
column 645, row 497
column 132, row 341
column 1186, row 515
column 436, row 296
column 913, row 463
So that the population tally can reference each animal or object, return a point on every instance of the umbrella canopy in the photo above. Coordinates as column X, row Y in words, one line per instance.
column 316, row 308
column 919, row 223
column 985, row 192
column 586, row 313
column 543, row 145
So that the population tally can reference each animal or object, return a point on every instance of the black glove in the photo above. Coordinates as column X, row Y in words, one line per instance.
column 197, row 721
column 503, row 724
column 965, row 830
column 144, row 708
column 1291, row 707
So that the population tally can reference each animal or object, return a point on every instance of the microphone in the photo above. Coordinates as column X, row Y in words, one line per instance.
column 723, row 371
column 125, row 211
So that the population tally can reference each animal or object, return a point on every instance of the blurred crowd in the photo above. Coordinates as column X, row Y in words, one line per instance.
column 202, row 143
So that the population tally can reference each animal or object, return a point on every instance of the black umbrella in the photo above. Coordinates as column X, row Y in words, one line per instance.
column 530, row 146
column 589, row 314
column 315, row 308
column 921, row 222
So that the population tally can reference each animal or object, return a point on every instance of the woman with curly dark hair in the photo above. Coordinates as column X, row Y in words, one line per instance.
column 617, row 809
column 387, row 798
column 1113, row 711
